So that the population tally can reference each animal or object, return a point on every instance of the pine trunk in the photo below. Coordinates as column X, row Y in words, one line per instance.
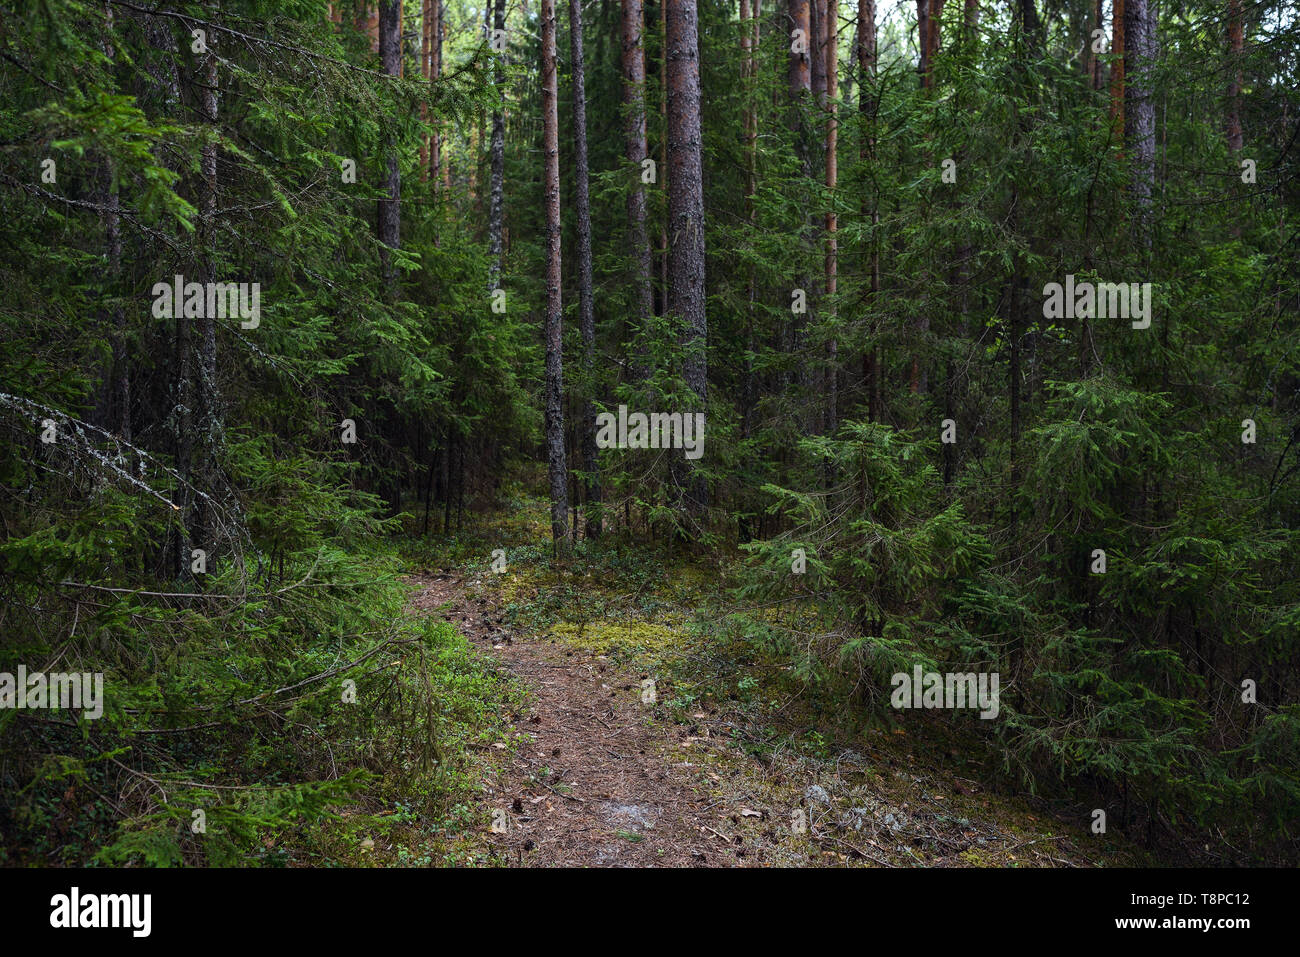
column 556, row 471
column 1139, row 109
column 498, row 160
column 390, row 208
column 686, row 202
column 637, row 151
column 586, row 308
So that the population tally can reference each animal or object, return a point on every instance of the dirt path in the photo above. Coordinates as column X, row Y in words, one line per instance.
column 597, row 778
column 592, row 782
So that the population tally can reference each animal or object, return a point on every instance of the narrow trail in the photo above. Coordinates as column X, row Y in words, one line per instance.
column 597, row 778
column 592, row 781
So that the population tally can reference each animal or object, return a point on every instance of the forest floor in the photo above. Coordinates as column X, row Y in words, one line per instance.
column 730, row 764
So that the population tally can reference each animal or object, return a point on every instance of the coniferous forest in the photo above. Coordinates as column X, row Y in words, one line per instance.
column 771, row 433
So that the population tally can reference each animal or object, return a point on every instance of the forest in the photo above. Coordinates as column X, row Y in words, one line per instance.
column 649, row 433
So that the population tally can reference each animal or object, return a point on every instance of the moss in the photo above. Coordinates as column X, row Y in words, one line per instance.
column 618, row 638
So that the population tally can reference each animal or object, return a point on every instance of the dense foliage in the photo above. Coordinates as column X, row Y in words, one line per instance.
column 948, row 454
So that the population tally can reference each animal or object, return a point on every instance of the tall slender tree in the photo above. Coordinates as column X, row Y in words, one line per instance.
column 799, row 77
column 1236, row 45
column 586, row 308
column 1139, row 108
column 867, row 105
column 637, row 151
column 390, row 207
column 686, row 202
column 554, row 329
column 426, row 48
column 832, row 223
column 210, row 438
column 1118, row 54
column 750, row 18
column 498, row 156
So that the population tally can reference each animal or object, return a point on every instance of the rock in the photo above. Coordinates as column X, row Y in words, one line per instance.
column 816, row 794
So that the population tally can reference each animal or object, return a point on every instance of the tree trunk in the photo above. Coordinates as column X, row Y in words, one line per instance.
column 498, row 160
column 800, row 62
column 923, row 42
column 426, row 46
column 390, row 208
column 1098, row 23
column 800, row 82
column 439, row 41
column 663, row 152
column 554, row 305
column 207, row 395
column 1117, row 67
column 927, row 42
column 686, row 202
column 637, row 151
column 817, row 49
column 586, row 308
column 832, row 177
column 115, row 402
column 749, row 24
column 867, row 152
column 1139, row 109
column 435, row 71
column 1236, row 44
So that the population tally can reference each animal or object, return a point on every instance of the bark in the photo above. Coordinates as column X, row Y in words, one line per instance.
column 800, row 75
column 686, row 201
column 1032, row 26
column 498, row 159
column 637, row 151
column 1117, row 66
column 161, row 92
column 923, row 42
column 1236, row 44
column 439, row 41
column 817, row 49
column 556, row 471
column 867, row 152
column 426, row 45
column 663, row 153
column 586, row 308
column 115, row 401
column 800, row 83
column 936, row 14
column 927, row 42
column 832, row 177
column 435, row 71
column 207, row 398
column 390, row 208
column 1139, row 109
column 1094, row 68
column 749, row 21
